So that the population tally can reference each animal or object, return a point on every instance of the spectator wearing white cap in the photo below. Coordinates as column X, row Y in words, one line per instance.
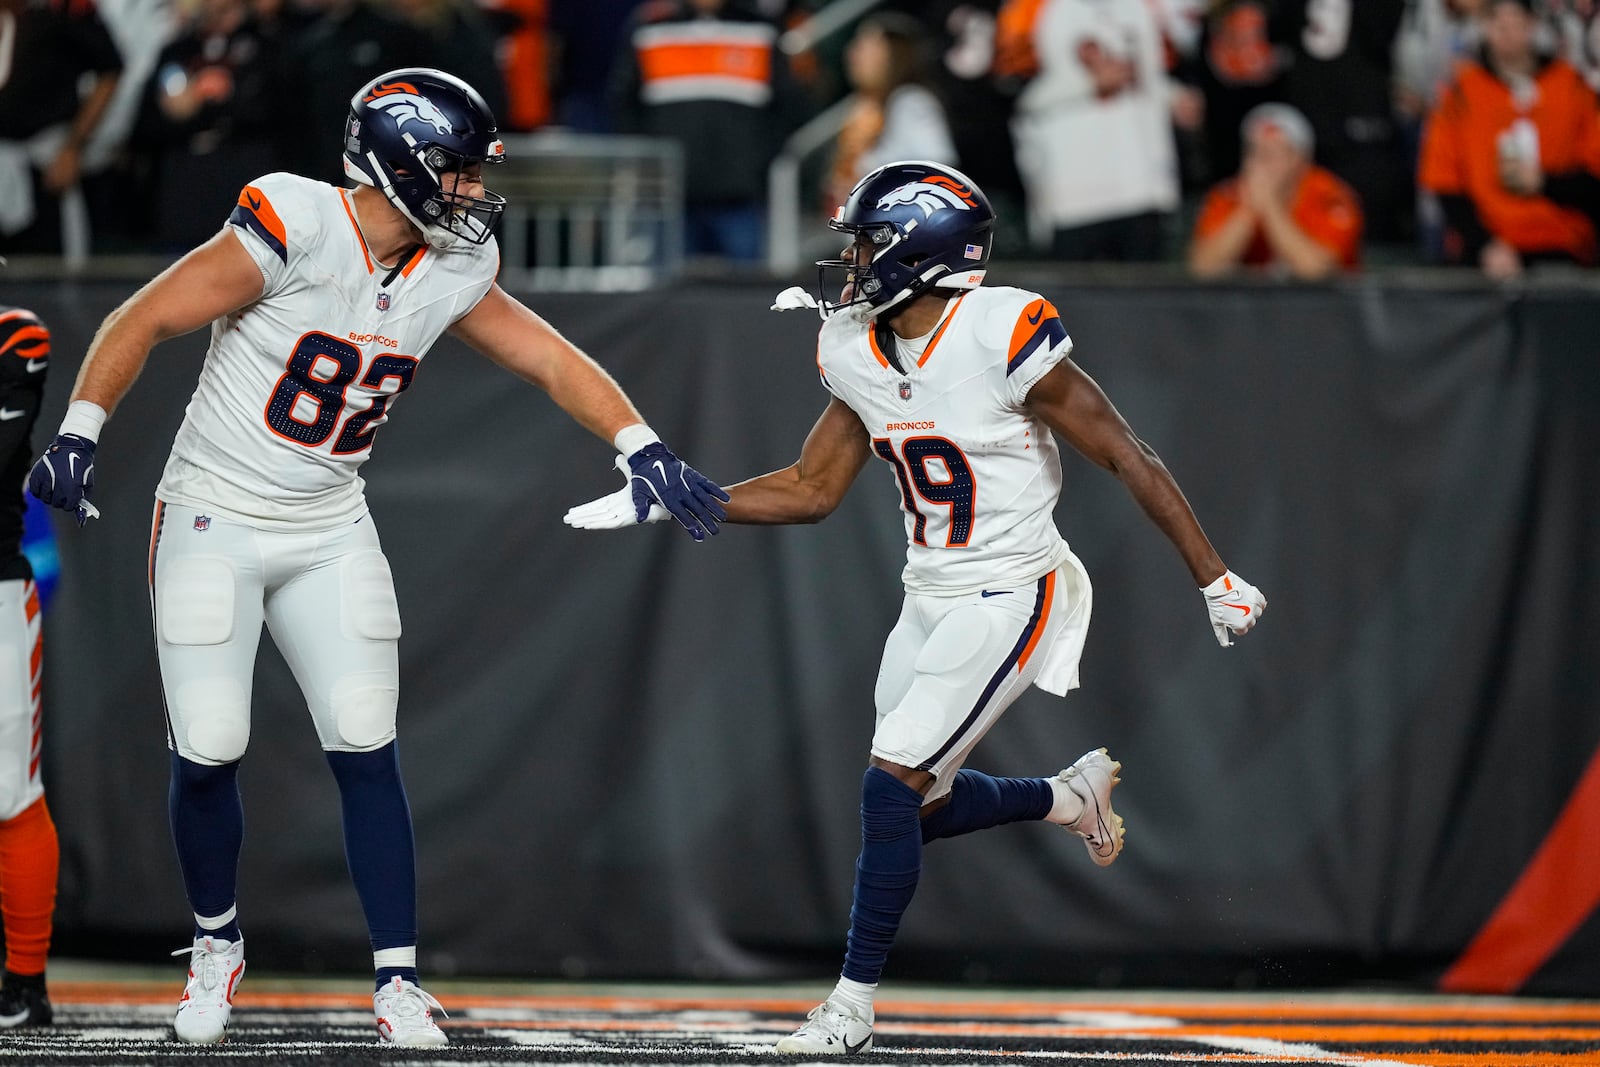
column 1281, row 213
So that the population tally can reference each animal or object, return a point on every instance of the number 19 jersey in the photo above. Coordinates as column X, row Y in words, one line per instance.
column 296, row 383
column 977, row 475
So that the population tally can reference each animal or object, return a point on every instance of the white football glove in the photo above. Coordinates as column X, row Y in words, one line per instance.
column 1234, row 605
column 614, row 510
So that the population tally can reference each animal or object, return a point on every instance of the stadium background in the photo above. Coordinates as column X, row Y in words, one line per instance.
column 633, row 756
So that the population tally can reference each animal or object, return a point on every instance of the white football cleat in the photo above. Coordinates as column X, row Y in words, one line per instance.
column 832, row 1028
column 215, row 967
column 1092, row 778
column 404, row 1013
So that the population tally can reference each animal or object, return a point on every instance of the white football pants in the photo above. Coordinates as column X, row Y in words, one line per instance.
column 326, row 596
column 953, row 665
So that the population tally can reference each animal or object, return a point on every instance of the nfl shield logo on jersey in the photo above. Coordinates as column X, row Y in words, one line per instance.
column 383, row 301
column 905, row 390
column 202, row 523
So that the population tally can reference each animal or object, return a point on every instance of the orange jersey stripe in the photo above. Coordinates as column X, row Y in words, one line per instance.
column 344, row 198
column 933, row 341
column 257, row 201
column 411, row 264
column 872, row 341
column 706, row 59
column 1044, row 621
column 1028, row 325
column 155, row 535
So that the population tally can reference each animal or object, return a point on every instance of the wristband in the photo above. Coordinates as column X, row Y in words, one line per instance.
column 630, row 439
column 84, row 418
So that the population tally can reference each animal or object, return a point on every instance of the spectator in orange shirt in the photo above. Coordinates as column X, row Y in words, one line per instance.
column 1513, row 152
column 1281, row 212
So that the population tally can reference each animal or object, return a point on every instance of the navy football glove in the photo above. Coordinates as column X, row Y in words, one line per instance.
column 659, row 477
column 64, row 475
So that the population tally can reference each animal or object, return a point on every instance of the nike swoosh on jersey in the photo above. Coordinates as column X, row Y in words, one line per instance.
column 34, row 366
column 255, row 201
column 1033, row 320
column 996, row 592
column 6, row 414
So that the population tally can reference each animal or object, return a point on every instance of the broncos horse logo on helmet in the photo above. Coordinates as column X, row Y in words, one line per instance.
column 412, row 133
column 403, row 104
column 929, row 227
column 930, row 194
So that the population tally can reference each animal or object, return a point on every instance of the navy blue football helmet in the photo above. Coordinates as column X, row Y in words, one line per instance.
column 929, row 227
column 411, row 132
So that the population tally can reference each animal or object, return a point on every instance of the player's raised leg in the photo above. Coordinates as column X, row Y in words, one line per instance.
column 338, row 626
column 206, row 603
column 951, row 667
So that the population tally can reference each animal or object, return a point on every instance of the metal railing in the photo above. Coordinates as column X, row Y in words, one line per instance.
column 590, row 212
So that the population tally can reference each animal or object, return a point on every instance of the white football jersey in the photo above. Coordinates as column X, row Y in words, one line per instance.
column 977, row 475
column 296, row 384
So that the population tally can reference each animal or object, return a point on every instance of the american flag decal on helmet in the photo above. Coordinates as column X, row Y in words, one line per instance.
column 974, row 252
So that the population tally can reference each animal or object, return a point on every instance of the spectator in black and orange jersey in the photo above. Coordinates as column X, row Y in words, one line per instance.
column 45, row 123
column 1282, row 212
column 1236, row 65
column 1513, row 152
column 707, row 74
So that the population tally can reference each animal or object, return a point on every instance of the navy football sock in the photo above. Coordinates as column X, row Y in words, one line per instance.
column 886, row 871
column 379, row 847
column 979, row 801
column 207, row 821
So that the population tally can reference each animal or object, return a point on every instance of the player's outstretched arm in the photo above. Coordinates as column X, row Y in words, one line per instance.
column 804, row 492
column 213, row 280
column 1073, row 405
column 510, row 334
column 811, row 488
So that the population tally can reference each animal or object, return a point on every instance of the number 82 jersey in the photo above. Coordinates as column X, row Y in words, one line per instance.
column 296, row 383
column 977, row 475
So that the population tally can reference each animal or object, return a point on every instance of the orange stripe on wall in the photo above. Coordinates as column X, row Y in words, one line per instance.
column 1555, row 893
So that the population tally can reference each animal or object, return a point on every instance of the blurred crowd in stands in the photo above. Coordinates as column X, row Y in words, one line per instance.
column 1296, row 137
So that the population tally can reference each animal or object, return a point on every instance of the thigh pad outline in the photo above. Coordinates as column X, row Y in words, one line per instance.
column 363, row 708
column 211, row 720
column 195, row 601
column 368, row 608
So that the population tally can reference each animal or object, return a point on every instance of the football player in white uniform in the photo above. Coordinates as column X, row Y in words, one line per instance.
column 957, row 388
column 321, row 302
